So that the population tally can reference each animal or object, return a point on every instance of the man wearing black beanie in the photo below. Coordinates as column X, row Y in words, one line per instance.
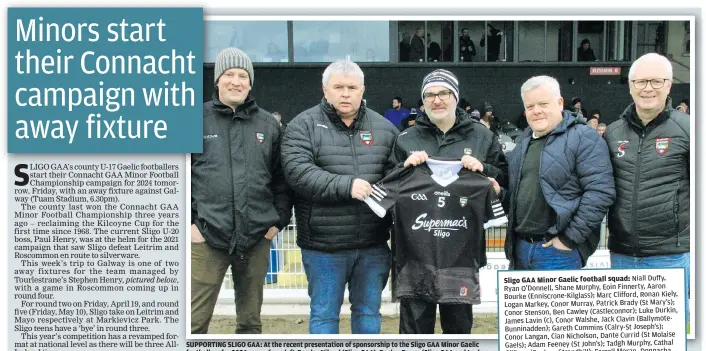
column 445, row 130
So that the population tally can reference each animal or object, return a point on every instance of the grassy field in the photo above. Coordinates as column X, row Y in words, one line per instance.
column 482, row 324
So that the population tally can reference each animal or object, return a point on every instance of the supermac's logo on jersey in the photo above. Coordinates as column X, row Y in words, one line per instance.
column 418, row 197
column 467, row 151
column 463, row 201
column 366, row 138
column 662, row 146
column 260, row 137
column 622, row 147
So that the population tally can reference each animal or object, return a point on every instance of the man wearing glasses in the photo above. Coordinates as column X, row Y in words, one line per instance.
column 649, row 149
column 446, row 131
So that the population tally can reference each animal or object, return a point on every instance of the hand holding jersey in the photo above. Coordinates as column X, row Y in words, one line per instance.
column 416, row 159
column 495, row 184
column 469, row 162
column 472, row 163
column 360, row 189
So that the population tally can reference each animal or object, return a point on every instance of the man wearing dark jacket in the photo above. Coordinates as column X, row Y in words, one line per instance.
column 331, row 154
column 561, row 185
column 416, row 51
column 649, row 147
column 446, row 131
column 468, row 49
column 239, row 199
column 495, row 36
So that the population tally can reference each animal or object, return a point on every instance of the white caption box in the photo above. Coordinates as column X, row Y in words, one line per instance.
column 592, row 310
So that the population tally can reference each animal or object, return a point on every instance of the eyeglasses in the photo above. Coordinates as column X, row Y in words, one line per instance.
column 655, row 83
column 443, row 96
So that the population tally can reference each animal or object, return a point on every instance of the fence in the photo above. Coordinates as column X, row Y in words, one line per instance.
column 286, row 281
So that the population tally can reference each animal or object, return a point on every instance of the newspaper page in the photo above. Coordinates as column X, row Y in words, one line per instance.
column 103, row 105
column 110, row 247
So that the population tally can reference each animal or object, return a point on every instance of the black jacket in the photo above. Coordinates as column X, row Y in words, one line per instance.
column 321, row 157
column 416, row 51
column 467, row 136
column 651, row 165
column 237, row 186
column 469, row 52
column 585, row 55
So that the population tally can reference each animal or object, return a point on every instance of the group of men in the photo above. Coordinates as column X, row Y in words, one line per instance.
column 556, row 186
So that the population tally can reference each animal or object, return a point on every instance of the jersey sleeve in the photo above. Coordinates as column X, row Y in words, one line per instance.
column 494, row 213
column 385, row 192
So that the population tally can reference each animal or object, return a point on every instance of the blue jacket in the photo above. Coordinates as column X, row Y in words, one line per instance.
column 396, row 117
column 576, row 178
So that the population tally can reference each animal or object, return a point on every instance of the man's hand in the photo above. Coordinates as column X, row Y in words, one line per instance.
column 472, row 163
column 196, row 236
column 271, row 233
column 496, row 186
column 556, row 243
column 361, row 189
column 416, row 159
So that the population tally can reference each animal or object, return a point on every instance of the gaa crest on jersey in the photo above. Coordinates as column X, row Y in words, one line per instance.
column 463, row 291
column 366, row 138
column 260, row 137
column 467, row 151
column 662, row 146
column 463, row 201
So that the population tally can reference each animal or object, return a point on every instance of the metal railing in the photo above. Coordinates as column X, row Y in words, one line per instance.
column 286, row 279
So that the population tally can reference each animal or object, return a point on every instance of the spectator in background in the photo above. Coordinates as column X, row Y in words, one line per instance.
column 494, row 36
column 489, row 117
column 593, row 122
column 684, row 106
column 397, row 113
column 465, row 105
column 597, row 114
column 410, row 120
column 405, row 47
column 561, row 185
column 331, row 153
column 416, row 49
column 239, row 200
column 468, row 49
column 522, row 121
column 434, row 53
column 649, row 223
column 577, row 107
column 601, row 128
column 475, row 114
column 585, row 52
column 274, row 54
column 277, row 117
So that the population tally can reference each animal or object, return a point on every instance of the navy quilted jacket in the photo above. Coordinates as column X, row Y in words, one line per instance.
column 576, row 179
